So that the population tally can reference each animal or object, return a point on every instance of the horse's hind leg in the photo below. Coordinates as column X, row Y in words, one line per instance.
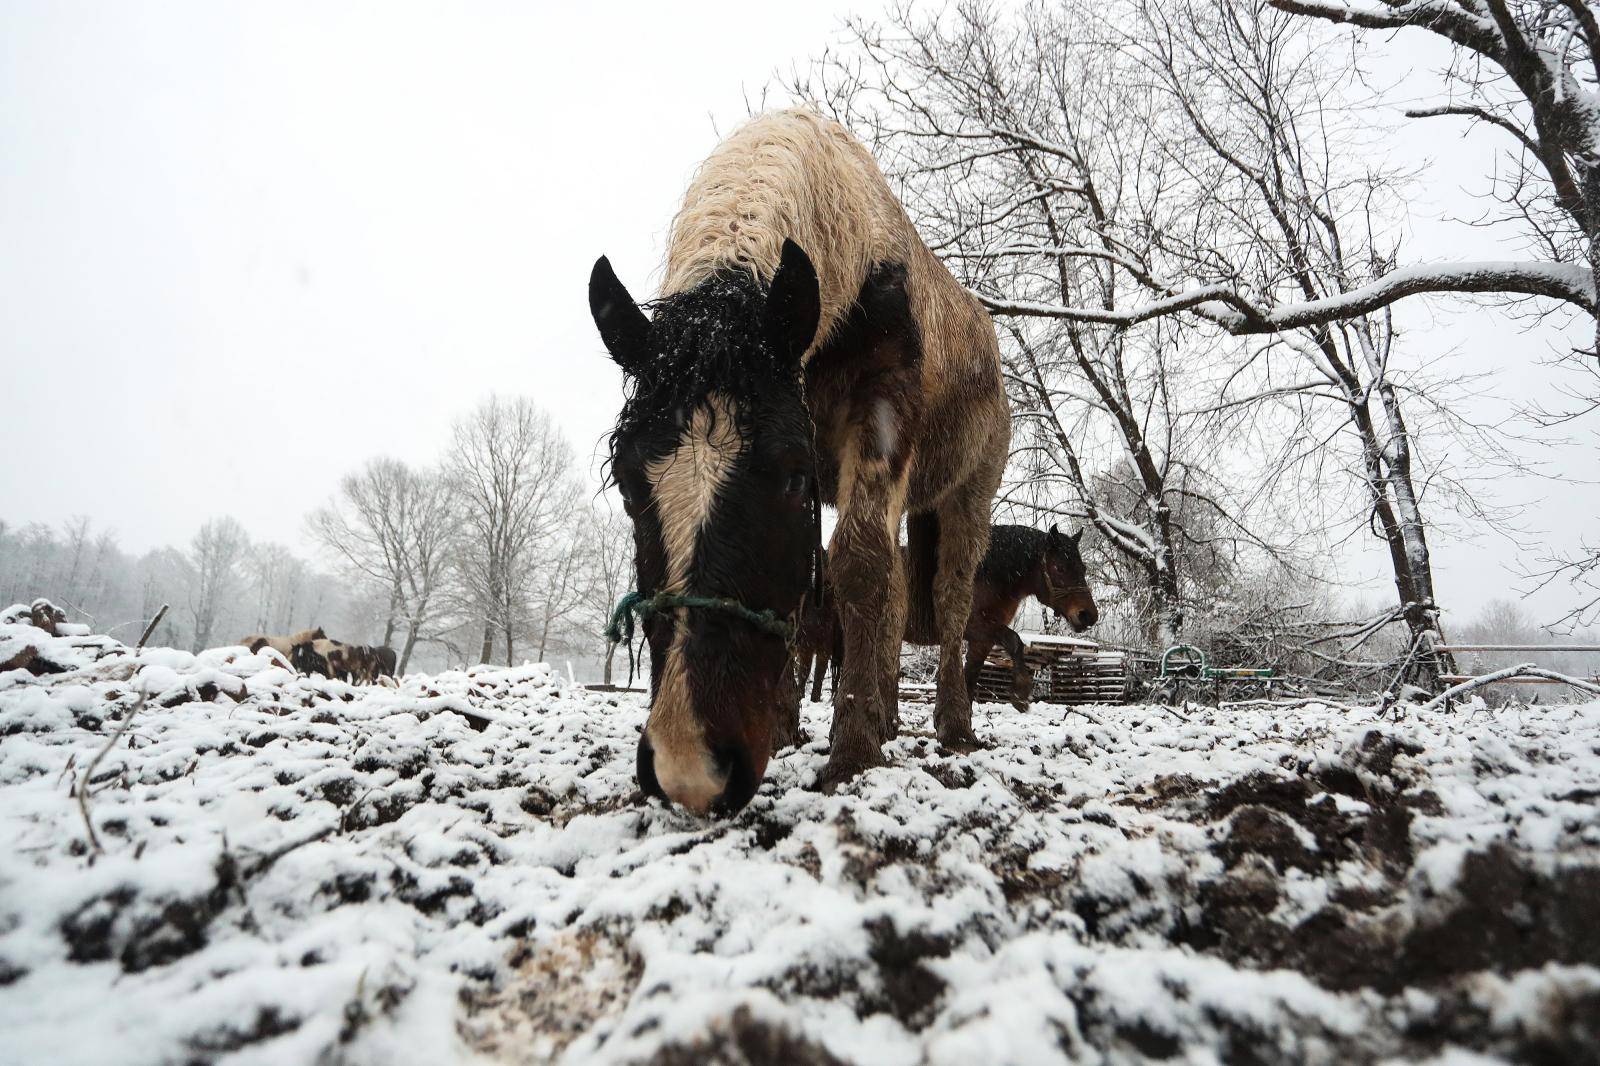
column 963, row 537
column 881, row 351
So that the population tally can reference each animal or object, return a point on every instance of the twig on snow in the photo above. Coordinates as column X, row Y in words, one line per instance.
column 263, row 863
column 70, row 760
column 88, row 772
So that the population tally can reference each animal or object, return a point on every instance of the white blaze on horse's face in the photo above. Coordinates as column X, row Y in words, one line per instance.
column 684, row 486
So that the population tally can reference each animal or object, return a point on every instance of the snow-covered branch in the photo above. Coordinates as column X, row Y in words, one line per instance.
column 1566, row 282
column 1509, row 672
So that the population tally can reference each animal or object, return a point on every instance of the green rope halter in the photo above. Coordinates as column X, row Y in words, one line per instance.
column 620, row 628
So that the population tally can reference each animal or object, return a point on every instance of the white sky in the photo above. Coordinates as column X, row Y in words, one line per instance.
column 245, row 247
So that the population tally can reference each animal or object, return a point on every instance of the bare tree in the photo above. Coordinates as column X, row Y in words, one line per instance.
column 77, row 560
column 275, row 576
column 512, row 472
column 1526, row 70
column 611, row 573
column 1544, row 47
column 1580, row 572
column 1099, row 417
column 562, row 588
column 214, row 554
column 1263, row 133
column 393, row 526
column 165, row 575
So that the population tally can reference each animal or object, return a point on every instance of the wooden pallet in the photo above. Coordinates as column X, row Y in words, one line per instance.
column 1066, row 670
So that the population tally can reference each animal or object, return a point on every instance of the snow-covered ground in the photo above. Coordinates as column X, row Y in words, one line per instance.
column 461, row 870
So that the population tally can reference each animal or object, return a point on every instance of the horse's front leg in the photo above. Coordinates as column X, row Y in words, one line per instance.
column 869, row 583
column 1021, row 672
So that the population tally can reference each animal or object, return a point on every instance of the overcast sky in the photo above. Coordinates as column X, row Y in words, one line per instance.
column 244, row 247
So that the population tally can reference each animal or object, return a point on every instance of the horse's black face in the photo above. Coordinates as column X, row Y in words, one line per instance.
column 719, row 484
column 1066, row 582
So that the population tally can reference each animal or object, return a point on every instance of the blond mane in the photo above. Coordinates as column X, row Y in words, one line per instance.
column 797, row 175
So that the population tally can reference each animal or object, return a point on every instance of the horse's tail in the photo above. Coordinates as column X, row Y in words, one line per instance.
column 922, row 561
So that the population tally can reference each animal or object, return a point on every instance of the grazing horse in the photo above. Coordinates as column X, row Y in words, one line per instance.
column 1021, row 562
column 807, row 347
column 305, row 660
column 330, row 658
column 282, row 645
column 367, row 662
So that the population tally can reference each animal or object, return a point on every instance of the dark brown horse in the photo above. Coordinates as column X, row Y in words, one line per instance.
column 383, row 661
column 807, row 348
column 1021, row 562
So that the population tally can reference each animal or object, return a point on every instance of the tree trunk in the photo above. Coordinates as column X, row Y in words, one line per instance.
column 510, row 651
column 611, row 653
column 405, row 653
column 488, row 642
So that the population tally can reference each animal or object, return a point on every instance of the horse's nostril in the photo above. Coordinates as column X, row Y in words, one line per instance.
column 741, row 779
column 645, row 770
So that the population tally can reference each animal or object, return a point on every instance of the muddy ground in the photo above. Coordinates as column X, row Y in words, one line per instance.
column 463, row 870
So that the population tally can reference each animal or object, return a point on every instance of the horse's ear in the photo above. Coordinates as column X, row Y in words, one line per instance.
column 794, row 305
column 1055, row 532
column 1076, row 537
column 623, row 327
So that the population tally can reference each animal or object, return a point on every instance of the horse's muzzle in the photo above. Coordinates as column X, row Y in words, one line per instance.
column 1081, row 618
column 733, row 766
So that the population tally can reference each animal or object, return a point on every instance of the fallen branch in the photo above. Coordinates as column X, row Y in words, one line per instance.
column 1310, row 701
column 1521, row 670
column 151, row 628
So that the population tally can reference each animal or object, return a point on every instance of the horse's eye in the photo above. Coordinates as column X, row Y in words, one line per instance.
column 795, row 485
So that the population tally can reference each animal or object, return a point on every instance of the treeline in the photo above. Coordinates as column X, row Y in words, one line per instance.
column 497, row 553
column 220, row 585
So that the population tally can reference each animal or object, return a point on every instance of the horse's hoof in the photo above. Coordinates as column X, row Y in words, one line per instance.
column 962, row 742
column 842, row 771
